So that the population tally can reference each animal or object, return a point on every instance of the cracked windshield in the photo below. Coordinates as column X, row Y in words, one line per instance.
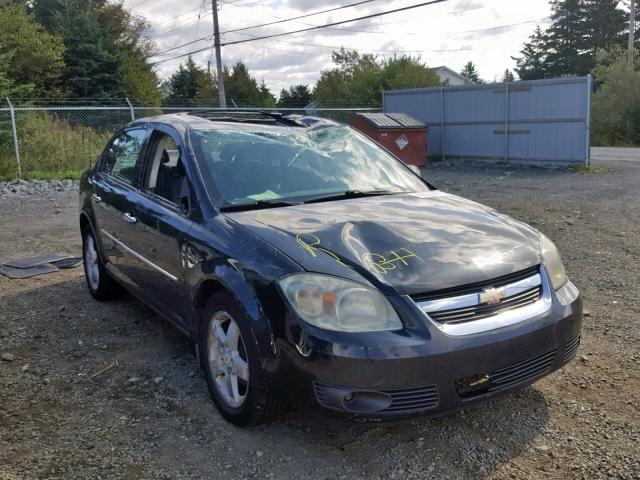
column 246, row 167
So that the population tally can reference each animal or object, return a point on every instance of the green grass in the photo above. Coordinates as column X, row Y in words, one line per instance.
column 584, row 169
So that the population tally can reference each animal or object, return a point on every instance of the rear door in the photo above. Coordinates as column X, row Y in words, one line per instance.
column 162, row 212
column 114, row 186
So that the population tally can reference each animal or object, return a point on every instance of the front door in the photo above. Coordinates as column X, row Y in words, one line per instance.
column 161, row 209
column 114, row 184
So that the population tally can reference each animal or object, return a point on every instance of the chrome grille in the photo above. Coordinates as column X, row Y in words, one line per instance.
column 486, row 300
column 458, row 315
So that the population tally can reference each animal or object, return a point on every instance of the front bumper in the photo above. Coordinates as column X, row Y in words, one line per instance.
column 423, row 371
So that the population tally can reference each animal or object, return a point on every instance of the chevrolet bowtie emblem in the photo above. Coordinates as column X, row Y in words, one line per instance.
column 491, row 296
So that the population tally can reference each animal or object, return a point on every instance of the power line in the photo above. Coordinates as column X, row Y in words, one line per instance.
column 236, row 4
column 380, row 50
column 273, row 23
column 333, row 47
column 179, row 46
column 299, row 16
column 273, row 35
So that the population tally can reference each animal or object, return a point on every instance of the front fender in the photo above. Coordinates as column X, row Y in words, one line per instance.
column 230, row 257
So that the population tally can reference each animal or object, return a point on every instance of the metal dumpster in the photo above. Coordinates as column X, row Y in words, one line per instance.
column 399, row 133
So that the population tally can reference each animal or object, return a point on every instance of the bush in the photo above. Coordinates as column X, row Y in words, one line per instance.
column 616, row 102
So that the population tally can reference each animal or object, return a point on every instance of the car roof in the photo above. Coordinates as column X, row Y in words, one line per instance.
column 236, row 120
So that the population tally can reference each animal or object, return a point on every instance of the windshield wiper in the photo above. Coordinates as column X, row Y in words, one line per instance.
column 351, row 194
column 258, row 204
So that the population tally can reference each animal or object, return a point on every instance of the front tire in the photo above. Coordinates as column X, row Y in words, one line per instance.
column 231, row 364
column 101, row 285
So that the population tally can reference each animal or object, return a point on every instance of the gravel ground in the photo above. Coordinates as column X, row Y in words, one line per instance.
column 65, row 414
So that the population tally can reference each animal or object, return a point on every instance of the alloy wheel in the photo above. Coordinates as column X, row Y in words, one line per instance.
column 91, row 264
column 227, row 359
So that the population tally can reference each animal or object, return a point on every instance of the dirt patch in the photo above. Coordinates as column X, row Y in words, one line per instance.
column 150, row 417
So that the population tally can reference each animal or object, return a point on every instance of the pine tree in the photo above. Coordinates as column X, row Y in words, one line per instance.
column 507, row 76
column 91, row 68
column 471, row 73
column 298, row 96
column 105, row 48
column 606, row 25
column 532, row 64
column 190, row 85
column 568, row 39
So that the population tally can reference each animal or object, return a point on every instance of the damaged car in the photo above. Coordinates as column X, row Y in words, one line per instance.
column 306, row 261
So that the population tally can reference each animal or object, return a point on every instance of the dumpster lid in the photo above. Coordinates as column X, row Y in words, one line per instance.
column 391, row 120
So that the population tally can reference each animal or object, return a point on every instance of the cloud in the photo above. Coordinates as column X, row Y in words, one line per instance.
column 464, row 6
column 442, row 34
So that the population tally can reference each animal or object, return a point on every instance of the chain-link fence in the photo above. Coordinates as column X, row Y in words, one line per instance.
column 63, row 140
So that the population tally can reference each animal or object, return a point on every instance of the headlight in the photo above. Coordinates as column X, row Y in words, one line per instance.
column 553, row 262
column 337, row 304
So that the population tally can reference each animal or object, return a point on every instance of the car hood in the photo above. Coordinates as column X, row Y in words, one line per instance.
column 403, row 244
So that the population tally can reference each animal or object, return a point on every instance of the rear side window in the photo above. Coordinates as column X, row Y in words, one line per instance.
column 123, row 158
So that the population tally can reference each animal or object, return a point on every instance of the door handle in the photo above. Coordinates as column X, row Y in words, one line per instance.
column 130, row 218
column 97, row 198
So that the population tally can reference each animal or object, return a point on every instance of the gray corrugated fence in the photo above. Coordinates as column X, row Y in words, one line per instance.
column 538, row 122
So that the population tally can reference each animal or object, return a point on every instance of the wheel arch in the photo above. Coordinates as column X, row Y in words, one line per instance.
column 84, row 221
column 232, row 282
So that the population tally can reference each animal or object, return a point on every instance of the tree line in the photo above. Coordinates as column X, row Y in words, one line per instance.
column 94, row 49
column 356, row 80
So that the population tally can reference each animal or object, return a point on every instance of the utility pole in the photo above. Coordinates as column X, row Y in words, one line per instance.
column 216, row 43
column 632, row 28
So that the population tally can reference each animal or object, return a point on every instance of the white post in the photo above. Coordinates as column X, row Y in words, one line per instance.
column 15, row 137
column 587, row 121
column 442, row 120
column 506, row 123
column 131, row 109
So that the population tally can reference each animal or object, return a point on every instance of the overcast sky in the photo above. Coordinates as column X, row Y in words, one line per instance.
column 488, row 32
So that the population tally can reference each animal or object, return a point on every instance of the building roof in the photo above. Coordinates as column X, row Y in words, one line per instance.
column 453, row 73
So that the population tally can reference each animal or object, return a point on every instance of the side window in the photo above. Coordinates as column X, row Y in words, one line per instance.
column 123, row 157
column 165, row 175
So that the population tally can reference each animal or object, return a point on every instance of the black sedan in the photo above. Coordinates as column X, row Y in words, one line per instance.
column 306, row 261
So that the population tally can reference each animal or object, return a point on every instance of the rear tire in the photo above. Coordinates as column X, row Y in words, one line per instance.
column 101, row 285
column 231, row 362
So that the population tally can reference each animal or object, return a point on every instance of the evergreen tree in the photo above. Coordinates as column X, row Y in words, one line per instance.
column 241, row 88
column 105, row 48
column 266, row 97
column 568, row 39
column 532, row 64
column 471, row 73
column 606, row 25
column 191, row 85
column 507, row 76
column 298, row 96
column 91, row 68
